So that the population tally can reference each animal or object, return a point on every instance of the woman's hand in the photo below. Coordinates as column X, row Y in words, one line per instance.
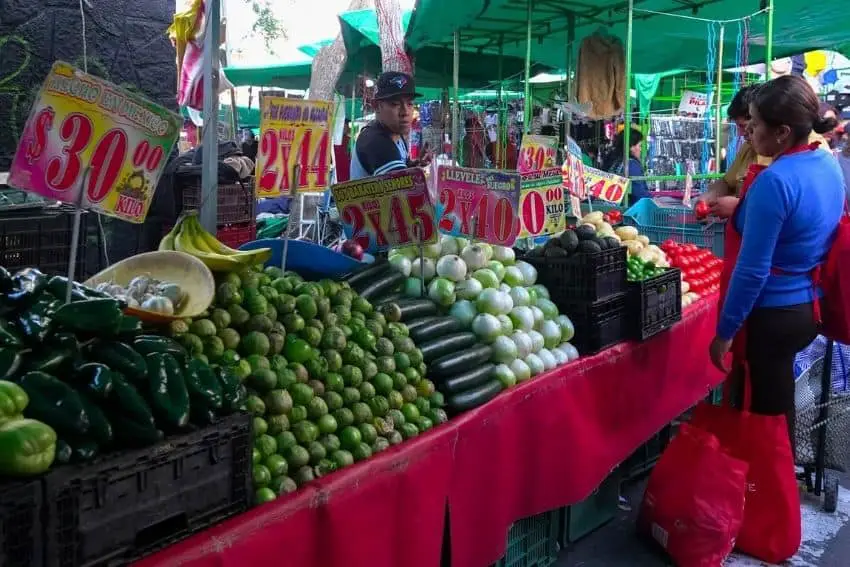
column 723, row 207
column 717, row 350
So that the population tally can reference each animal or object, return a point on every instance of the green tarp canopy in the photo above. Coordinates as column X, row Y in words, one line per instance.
column 660, row 41
column 433, row 64
column 311, row 49
column 294, row 75
column 245, row 117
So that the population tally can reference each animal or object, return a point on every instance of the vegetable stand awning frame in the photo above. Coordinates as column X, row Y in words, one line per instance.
column 660, row 43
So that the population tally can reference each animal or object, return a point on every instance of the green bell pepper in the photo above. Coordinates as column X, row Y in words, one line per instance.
column 27, row 447
column 6, row 282
column 100, row 429
column 58, row 286
column 130, row 327
column 58, row 353
column 148, row 344
column 167, row 391
column 99, row 316
column 13, row 401
column 9, row 335
column 203, row 386
column 63, row 452
column 55, row 403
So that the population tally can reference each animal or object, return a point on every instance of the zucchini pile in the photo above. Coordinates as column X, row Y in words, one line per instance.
column 456, row 361
column 93, row 376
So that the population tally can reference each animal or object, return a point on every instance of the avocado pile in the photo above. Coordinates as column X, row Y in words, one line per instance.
column 583, row 239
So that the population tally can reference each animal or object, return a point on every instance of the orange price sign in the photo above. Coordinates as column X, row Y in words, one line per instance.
column 387, row 210
column 93, row 144
column 294, row 132
column 605, row 186
column 537, row 153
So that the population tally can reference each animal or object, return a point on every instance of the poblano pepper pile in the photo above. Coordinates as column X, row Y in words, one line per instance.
column 93, row 377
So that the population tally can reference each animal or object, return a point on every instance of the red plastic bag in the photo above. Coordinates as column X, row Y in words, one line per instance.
column 772, row 527
column 834, row 280
column 694, row 502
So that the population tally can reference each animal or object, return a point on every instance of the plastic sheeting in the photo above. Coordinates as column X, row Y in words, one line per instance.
column 840, row 363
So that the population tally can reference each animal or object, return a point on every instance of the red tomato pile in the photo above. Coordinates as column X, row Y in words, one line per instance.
column 700, row 268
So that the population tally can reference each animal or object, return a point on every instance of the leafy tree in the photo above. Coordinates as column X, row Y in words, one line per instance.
column 266, row 24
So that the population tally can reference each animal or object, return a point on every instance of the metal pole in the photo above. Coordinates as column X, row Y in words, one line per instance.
column 209, row 172
column 500, row 148
column 718, row 119
column 571, row 38
column 353, row 110
column 528, row 107
column 627, row 112
column 456, row 103
column 768, row 50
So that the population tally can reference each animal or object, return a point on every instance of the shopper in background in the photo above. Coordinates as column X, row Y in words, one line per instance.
column 779, row 232
column 722, row 195
column 614, row 164
column 829, row 139
column 843, row 156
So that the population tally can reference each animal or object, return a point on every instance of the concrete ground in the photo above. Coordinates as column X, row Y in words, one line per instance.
column 826, row 539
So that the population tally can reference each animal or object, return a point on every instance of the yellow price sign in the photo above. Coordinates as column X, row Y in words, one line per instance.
column 541, row 203
column 537, row 153
column 605, row 186
column 93, row 144
column 294, row 133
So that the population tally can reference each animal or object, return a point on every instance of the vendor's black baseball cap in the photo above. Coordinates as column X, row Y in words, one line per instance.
column 394, row 84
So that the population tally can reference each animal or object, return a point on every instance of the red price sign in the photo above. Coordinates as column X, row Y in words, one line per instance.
column 573, row 175
column 387, row 210
column 88, row 142
column 605, row 186
column 478, row 203
column 541, row 203
column 293, row 133
column 537, row 153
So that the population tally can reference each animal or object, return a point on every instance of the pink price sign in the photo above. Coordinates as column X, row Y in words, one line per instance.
column 481, row 204
column 93, row 144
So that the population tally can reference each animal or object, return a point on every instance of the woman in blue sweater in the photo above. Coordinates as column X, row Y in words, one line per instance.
column 781, row 230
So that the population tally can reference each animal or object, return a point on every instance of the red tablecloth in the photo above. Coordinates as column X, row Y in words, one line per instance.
column 545, row 444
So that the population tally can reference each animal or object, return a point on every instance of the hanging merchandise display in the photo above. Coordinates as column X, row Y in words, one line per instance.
column 601, row 75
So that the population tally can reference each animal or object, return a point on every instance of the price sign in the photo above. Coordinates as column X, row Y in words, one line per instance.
column 478, row 203
column 537, row 153
column 93, row 144
column 293, row 132
column 384, row 211
column 605, row 186
column 573, row 175
column 693, row 104
column 541, row 203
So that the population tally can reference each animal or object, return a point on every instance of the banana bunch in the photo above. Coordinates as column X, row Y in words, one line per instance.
column 190, row 237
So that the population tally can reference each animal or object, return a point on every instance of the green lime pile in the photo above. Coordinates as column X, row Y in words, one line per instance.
column 330, row 381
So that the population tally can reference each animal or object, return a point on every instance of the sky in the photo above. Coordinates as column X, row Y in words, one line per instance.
column 303, row 21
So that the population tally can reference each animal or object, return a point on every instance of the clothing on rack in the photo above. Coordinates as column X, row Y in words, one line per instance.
column 601, row 75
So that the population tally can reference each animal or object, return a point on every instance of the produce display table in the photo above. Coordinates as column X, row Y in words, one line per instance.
column 545, row 444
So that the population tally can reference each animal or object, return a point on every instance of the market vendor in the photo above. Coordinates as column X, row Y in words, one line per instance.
column 722, row 195
column 614, row 164
column 382, row 144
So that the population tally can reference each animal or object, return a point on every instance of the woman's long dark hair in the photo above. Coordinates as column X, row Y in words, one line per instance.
column 615, row 155
column 791, row 101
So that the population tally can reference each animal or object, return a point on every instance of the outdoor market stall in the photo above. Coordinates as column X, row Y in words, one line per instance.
column 492, row 466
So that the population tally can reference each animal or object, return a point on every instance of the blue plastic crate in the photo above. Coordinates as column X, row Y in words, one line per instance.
column 676, row 222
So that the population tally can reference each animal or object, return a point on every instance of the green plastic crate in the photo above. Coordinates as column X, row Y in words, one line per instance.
column 643, row 460
column 532, row 542
column 584, row 518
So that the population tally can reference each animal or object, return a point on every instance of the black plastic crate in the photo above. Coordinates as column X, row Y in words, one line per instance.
column 655, row 305
column 127, row 505
column 41, row 238
column 599, row 324
column 21, row 528
column 532, row 542
column 582, row 277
